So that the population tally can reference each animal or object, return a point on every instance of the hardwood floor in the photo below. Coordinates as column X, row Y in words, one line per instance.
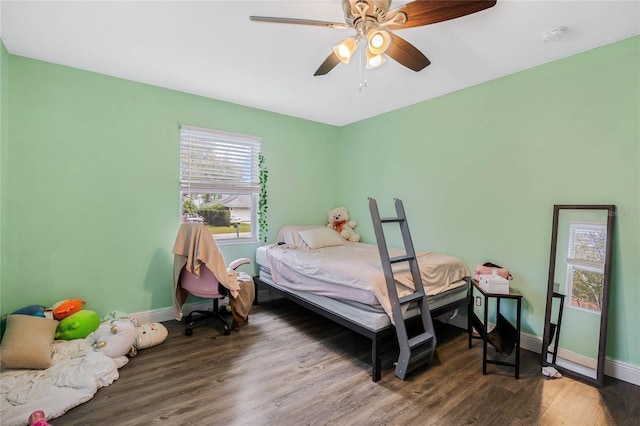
column 292, row 367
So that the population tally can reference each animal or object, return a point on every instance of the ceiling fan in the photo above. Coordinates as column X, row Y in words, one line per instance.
column 373, row 22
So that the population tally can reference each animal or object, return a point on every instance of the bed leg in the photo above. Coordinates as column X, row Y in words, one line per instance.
column 376, row 359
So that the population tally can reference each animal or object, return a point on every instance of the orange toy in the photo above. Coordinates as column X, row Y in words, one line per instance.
column 66, row 307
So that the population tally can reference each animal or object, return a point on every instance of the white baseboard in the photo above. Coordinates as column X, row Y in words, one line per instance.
column 166, row 314
column 622, row 370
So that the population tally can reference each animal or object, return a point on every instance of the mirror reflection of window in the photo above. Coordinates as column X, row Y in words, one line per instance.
column 585, row 266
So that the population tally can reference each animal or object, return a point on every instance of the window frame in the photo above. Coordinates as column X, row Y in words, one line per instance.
column 210, row 175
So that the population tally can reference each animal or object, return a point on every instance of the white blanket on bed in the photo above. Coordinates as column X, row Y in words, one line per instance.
column 78, row 371
column 358, row 265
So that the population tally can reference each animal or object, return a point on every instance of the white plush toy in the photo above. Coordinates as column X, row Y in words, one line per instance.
column 121, row 336
column 115, row 338
column 149, row 335
column 339, row 221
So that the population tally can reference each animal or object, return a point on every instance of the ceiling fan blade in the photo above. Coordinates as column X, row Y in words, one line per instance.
column 328, row 64
column 406, row 53
column 339, row 25
column 425, row 12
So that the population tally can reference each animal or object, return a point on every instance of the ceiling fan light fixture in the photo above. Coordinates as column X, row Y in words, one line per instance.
column 374, row 21
column 345, row 49
column 379, row 41
column 373, row 60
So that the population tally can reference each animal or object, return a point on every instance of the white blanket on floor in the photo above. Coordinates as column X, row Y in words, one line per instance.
column 78, row 371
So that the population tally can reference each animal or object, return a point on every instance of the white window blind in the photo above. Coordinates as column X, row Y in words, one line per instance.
column 216, row 161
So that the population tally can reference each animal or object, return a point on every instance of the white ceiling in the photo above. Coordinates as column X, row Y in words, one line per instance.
column 210, row 48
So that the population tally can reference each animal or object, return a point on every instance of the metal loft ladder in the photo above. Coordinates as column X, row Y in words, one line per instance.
column 419, row 349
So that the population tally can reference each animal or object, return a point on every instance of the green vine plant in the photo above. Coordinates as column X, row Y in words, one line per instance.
column 263, row 226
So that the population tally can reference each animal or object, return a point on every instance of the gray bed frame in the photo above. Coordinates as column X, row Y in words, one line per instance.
column 376, row 336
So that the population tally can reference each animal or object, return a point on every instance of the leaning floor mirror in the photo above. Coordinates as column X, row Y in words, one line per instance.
column 575, row 325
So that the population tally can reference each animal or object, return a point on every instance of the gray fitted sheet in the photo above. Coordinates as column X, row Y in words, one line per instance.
column 371, row 317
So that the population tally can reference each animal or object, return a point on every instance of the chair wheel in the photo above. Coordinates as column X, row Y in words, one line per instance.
column 188, row 332
column 227, row 332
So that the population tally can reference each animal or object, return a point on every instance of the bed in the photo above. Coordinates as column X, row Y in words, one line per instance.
column 343, row 281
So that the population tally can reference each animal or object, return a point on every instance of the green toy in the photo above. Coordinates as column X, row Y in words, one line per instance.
column 78, row 325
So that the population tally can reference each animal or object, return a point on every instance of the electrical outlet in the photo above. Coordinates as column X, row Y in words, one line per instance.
column 478, row 301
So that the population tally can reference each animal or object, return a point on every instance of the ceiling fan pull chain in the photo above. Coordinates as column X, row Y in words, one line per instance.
column 363, row 70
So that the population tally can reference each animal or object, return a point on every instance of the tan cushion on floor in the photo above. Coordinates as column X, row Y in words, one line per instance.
column 27, row 342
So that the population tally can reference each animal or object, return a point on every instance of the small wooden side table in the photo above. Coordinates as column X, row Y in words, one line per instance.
column 480, row 326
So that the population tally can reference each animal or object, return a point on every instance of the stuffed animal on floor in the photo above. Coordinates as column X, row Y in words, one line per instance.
column 149, row 335
column 114, row 338
column 33, row 310
column 67, row 307
column 78, row 325
column 339, row 222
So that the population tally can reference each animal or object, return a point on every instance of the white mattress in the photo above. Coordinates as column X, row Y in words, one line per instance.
column 353, row 272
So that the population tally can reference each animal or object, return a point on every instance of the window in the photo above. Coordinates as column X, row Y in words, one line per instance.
column 219, row 182
column 585, row 266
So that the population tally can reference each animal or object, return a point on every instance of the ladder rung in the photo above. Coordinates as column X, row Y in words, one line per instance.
column 420, row 339
column 399, row 259
column 420, row 357
column 410, row 298
column 391, row 219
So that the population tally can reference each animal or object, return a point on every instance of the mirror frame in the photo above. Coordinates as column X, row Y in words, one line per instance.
column 604, row 314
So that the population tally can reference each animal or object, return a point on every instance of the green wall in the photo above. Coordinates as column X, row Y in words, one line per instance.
column 92, row 208
column 4, row 98
column 90, row 192
column 479, row 171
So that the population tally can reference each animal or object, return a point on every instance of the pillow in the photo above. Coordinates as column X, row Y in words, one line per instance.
column 321, row 237
column 27, row 342
column 289, row 234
